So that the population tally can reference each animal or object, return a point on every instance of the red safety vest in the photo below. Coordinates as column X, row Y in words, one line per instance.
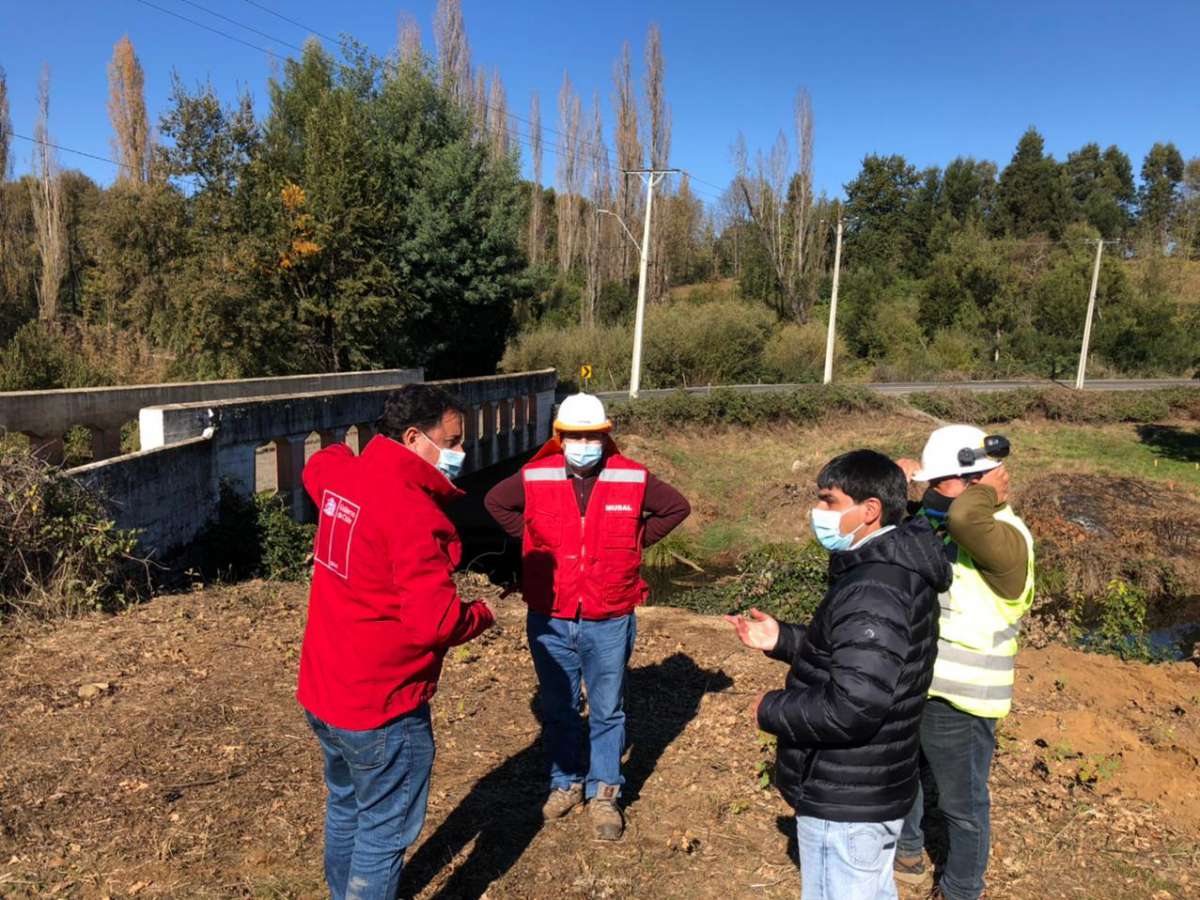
column 587, row 566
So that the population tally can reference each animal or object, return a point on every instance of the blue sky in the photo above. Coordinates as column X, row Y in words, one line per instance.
column 929, row 80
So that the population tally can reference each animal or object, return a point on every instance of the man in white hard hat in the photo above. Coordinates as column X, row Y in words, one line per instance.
column 991, row 553
column 584, row 513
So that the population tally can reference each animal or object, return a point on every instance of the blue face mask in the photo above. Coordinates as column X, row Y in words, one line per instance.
column 450, row 462
column 583, row 454
column 827, row 527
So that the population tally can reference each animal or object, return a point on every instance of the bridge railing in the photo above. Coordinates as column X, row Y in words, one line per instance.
column 46, row 416
column 170, row 488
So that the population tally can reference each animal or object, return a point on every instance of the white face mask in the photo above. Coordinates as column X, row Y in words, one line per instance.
column 450, row 462
column 827, row 528
column 583, row 454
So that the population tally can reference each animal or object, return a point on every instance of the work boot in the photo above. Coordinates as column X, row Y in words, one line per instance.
column 562, row 801
column 606, row 816
column 910, row 869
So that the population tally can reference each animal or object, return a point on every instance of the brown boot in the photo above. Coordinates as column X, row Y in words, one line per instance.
column 562, row 801
column 606, row 816
column 911, row 869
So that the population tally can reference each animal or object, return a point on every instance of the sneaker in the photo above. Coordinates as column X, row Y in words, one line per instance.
column 910, row 869
column 562, row 801
column 606, row 816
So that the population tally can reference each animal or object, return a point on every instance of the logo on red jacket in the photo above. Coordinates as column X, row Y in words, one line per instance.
column 335, row 533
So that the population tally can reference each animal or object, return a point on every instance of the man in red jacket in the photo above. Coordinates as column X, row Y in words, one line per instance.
column 584, row 513
column 382, row 613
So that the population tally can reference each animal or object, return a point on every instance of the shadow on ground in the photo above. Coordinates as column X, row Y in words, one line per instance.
column 1172, row 441
column 502, row 813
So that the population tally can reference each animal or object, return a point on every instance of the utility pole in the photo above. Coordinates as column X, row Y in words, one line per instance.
column 652, row 177
column 832, row 337
column 1087, row 323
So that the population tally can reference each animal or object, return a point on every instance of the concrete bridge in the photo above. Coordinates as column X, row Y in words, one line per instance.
column 253, row 435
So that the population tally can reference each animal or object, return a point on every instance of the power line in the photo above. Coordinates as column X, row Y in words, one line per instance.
column 65, row 149
column 557, row 149
column 299, row 25
column 240, row 24
column 71, row 150
column 223, row 34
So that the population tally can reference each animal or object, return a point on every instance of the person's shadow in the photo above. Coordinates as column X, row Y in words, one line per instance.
column 502, row 813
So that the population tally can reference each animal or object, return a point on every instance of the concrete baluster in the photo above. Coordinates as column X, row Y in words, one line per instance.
column 504, row 433
column 487, row 434
column 366, row 431
column 331, row 436
column 520, row 431
column 289, row 464
column 531, row 419
column 471, row 438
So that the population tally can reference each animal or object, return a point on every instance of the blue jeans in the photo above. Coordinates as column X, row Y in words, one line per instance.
column 378, row 783
column 957, row 747
column 566, row 652
column 846, row 860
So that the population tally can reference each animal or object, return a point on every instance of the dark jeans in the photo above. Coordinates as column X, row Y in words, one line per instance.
column 957, row 747
column 565, row 653
column 378, row 783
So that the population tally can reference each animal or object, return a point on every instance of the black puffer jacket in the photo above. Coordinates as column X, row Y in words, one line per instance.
column 847, row 721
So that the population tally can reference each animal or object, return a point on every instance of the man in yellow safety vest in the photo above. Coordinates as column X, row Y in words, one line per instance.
column 991, row 553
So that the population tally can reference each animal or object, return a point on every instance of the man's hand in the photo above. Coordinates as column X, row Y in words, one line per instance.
column 759, row 632
column 997, row 480
column 909, row 467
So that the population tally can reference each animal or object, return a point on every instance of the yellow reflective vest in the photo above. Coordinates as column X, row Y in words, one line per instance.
column 978, row 641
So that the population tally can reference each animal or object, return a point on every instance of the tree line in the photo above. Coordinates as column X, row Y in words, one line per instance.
column 374, row 215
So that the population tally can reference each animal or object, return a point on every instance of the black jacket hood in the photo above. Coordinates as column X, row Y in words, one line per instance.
column 912, row 545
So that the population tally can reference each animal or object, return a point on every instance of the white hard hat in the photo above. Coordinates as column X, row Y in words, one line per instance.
column 582, row 412
column 939, row 459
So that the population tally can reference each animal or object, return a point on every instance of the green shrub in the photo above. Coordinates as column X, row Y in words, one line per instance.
column 42, row 357
column 255, row 538
column 1061, row 404
column 728, row 408
column 1115, row 623
column 286, row 545
column 796, row 353
column 686, row 343
column 60, row 553
column 705, row 343
column 787, row 581
column 606, row 349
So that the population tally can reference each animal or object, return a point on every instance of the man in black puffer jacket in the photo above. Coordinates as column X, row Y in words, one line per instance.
column 847, row 722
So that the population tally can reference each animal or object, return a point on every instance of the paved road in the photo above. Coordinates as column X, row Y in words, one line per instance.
column 901, row 388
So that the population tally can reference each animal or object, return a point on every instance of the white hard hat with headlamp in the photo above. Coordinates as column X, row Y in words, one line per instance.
column 957, row 451
column 582, row 414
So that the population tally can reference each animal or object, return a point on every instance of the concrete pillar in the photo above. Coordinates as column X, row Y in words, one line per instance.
column 366, row 431
column 236, row 465
column 471, row 437
column 545, row 415
column 289, row 463
column 331, row 436
column 504, row 436
column 47, row 447
column 106, row 442
column 531, row 420
column 487, row 434
column 520, row 429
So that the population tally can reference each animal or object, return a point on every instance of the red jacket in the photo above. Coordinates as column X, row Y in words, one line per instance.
column 583, row 565
column 383, row 608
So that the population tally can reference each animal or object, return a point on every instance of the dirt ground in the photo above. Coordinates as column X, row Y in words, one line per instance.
column 160, row 753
